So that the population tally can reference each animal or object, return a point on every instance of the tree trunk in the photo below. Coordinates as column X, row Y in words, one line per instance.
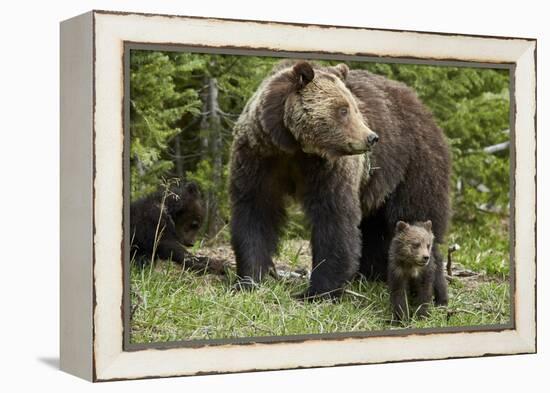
column 179, row 158
column 211, row 143
column 493, row 149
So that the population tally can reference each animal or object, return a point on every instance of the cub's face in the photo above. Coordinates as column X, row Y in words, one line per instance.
column 190, row 216
column 415, row 243
column 324, row 118
column 188, row 224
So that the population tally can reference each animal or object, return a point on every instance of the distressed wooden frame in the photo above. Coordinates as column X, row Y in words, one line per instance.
column 93, row 249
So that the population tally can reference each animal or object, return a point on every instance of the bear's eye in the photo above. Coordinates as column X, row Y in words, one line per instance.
column 344, row 111
column 195, row 225
column 416, row 245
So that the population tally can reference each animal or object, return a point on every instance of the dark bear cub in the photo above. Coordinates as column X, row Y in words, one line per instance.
column 164, row 223
column 412, row 270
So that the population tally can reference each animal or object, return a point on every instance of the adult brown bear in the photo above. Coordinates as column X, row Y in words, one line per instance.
column 309, row 131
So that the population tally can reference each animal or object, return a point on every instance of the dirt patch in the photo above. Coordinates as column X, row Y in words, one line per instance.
column 221, row 252
column 294, row 259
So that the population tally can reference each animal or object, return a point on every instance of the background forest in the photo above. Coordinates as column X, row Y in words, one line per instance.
column 183, row 107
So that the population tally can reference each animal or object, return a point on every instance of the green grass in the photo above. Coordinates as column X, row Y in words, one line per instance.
column 169, row 304
column 483, row 247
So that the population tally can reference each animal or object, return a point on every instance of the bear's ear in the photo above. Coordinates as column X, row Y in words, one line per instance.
column 304, row 73
column 272, row 106
column 340, row 70
column 401, row 226
column 428, row 225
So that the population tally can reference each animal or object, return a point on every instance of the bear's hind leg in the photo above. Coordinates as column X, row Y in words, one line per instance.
column 375, row 244
column 439, row 282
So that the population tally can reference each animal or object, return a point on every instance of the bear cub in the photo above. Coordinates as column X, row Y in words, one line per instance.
column 412, row 270
column 165, row 222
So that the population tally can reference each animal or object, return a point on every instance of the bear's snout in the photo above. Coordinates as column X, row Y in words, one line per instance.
column 372, row 138
column 365, row 143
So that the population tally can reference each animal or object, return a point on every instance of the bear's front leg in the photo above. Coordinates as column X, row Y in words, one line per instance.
column 332, row 206
column 423, row 289
column 254, row 237
column 172, row 249
column 398, row 287
column 257, row 214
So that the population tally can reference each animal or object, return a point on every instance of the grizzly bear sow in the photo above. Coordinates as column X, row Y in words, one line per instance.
column 412, row 272
column 310, row 131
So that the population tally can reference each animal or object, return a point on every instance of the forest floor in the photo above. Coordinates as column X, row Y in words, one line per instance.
column 169, row 304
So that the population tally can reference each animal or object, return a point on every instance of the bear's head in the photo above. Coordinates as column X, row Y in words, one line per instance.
column 311, row 109
column 185, row 207
column 413, row 243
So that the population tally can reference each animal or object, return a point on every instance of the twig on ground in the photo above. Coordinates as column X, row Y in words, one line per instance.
column 452, row 248
column 460, row 310
column 353, row 293
column 135, row 306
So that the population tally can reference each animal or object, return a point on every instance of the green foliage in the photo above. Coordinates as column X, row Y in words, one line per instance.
column 155, row 106
column 484, row 246
column 472, row 106
column 203, row 175
column 173, row 132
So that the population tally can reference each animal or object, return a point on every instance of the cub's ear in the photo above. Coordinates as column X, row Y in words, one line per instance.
column 428, row 225
column 304, row 73
column 401, row 226
column 340, row 70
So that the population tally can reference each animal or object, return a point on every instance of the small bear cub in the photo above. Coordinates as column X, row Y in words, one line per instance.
column 411, row 269
column 164, row 223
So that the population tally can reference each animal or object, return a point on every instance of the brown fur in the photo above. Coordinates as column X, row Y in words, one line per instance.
column 412, row 269
column 307, row 132
column 178, row 214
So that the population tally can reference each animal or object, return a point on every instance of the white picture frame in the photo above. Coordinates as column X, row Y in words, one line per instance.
column 92, row 194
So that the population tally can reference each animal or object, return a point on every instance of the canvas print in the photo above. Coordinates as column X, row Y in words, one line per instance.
column 278, row 197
